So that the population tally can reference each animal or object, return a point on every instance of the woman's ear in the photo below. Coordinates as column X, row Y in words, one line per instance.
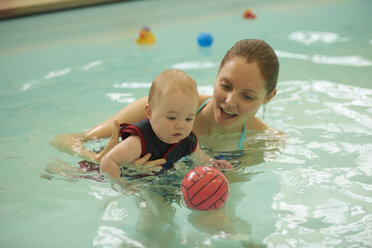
column 148, row 111
column 270, row 96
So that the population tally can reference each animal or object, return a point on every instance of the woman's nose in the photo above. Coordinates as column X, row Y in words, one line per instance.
column 231, row 99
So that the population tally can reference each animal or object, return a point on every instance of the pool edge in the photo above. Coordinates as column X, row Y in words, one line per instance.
column 13, row 9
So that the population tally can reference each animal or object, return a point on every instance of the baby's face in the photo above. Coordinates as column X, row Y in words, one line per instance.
column 173, row 116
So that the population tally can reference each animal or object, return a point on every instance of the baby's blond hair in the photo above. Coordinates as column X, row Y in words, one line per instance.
column 170, row 81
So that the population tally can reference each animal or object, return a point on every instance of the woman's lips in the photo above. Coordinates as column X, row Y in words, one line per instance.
column 227, row 114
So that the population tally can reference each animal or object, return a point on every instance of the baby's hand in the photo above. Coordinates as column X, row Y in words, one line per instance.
column 150, row 166
column 222, row 165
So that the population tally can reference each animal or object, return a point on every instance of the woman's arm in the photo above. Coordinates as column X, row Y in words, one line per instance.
column 132, row 113
column 73, row 143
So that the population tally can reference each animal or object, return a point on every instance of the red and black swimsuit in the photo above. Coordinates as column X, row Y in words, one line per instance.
column 152, row 144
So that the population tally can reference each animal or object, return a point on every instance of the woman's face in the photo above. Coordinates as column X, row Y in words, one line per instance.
column 238, row 93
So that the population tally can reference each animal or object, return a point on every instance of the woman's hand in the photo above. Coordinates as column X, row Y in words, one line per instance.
column 114, row 140
column 222, row 165
column 74, row 144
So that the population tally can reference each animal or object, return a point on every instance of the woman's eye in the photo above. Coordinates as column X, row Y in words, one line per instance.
column 248, row 97
column 225, row 86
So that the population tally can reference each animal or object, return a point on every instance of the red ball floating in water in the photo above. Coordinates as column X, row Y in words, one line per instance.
column 205, row 188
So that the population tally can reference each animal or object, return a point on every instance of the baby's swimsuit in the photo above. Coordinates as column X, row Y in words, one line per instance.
column 150, row 143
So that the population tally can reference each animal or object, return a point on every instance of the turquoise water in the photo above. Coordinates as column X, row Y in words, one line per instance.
column 68, row 71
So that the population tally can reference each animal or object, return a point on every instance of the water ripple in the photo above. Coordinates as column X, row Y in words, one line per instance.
column 121, row 97
column 325, row 59
column 320, row 223
column 100, row 192
column 133, row 85
column 283, row 54
column 58, row 73
column 193, row 65
column 361, row 119
column 309, row 37
column 342, row 91
column 92, row 65
column 113, row 212
column 341, row 60
column 109, row 236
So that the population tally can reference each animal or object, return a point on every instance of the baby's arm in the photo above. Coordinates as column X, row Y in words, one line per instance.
column 200, row 157
column 123, row 153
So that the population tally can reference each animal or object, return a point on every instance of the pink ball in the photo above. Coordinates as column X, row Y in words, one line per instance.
column 205, row 188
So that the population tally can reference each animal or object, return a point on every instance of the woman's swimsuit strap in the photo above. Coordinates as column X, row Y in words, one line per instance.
column 241, row 140
column 242, row 136
column 202, row 105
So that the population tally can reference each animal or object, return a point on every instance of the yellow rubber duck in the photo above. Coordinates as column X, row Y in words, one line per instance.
column 146, row 37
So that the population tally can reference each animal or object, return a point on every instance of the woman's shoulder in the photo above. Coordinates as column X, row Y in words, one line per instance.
column 258, row 124
column 203, row 98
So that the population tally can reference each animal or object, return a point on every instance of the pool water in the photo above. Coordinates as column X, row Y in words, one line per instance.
column 67, row 71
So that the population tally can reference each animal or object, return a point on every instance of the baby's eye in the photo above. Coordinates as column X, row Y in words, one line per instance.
column 172, row 118
column 189, row 119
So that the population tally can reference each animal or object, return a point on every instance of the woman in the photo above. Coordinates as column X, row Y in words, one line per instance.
column 246, row 80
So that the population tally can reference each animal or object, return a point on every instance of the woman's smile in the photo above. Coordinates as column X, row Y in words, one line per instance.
column 225, row 113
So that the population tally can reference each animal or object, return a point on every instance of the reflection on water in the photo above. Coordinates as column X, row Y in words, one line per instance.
column 193, row 65
column 121, row 97
column 309, row 37
column 113, row 212
column 58, row 73
column 341, row 60
column 328, row 60
column 92, row 64
column 109, row 236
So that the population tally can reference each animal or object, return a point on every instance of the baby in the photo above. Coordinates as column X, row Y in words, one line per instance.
column 166, row 132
